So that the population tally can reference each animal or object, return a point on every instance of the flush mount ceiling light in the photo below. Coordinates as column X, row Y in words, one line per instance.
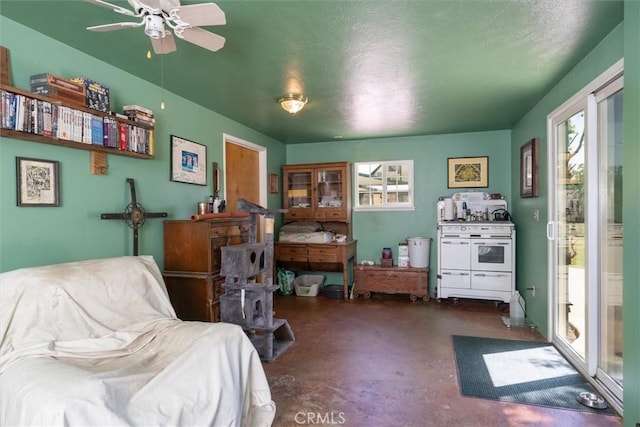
column 292, row 103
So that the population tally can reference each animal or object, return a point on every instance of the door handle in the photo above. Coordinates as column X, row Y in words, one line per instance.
column 551, row 231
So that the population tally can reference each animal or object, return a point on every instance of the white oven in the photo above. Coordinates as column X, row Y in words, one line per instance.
column 491, row 254
column 476, row 260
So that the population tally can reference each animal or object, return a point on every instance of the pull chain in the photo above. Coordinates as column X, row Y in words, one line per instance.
column 162, row 80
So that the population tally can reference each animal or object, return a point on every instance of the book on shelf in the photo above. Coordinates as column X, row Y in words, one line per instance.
column 96, row 94
column 47, row 129
column 137, row 108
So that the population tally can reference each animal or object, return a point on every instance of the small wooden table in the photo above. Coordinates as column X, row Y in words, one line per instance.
column 392, row 280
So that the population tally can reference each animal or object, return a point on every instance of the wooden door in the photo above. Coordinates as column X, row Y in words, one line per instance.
column 242, row 175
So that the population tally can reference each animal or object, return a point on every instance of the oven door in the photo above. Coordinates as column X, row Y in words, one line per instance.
column 455, row 253
column 491, row 255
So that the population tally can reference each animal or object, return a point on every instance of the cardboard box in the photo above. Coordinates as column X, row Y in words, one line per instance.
column 61, row 94
column 403, row 261
column 58, row 88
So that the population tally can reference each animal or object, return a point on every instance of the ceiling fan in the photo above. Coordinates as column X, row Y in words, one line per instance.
column 183, row 20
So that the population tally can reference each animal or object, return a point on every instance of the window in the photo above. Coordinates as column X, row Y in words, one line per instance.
column 384, row 185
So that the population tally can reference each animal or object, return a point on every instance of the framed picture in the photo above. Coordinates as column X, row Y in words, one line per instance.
column 188, row 161
column 529, row 169
column 468, row 172
column 38, row 182
column 273, row 182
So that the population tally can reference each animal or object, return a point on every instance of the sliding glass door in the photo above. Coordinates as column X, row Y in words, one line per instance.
column 585, row 231
column 611, row 243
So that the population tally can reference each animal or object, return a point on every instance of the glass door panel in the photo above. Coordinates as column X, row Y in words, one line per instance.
column 330, row 188
column 610, row 291
column 570, row 299
column 299, row 189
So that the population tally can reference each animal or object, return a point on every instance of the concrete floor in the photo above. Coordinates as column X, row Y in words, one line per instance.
column 389, row 362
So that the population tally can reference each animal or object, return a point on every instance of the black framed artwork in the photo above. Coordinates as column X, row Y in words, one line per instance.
column 529, row 169
column 37, row 182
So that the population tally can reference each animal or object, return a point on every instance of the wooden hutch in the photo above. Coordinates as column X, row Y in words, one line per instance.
column 319, row 192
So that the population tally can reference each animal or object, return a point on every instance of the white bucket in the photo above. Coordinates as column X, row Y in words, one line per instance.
column 419, row 251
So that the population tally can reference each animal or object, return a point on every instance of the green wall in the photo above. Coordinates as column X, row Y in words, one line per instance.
column 631, row 207
column 532, row 245
column 35, row 236
column 376, row 230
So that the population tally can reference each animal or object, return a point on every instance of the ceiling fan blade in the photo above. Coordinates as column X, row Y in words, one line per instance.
column 113, row 7
column 201, row 14
column 167, row 44
column 202, row 38
column 166, row 5
column 116, row 26
column 153, row 4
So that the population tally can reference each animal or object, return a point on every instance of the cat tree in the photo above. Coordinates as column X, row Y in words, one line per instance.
column 246, row 302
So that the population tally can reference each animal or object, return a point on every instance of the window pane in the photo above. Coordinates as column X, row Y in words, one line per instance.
column 370, row 184
column 384, row 184
column 397, row 184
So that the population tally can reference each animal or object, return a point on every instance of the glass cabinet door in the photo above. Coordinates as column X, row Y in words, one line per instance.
column 299, row 193
column 330, row 193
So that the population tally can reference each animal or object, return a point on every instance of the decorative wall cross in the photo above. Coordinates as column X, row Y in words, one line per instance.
column 134, row 215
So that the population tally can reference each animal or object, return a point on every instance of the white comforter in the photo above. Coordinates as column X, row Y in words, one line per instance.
column 97, row 343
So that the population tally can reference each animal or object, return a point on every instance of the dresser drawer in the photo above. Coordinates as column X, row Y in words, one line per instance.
column 292, row 253
column 229, row 230
column 323, row 254
column 331, row 214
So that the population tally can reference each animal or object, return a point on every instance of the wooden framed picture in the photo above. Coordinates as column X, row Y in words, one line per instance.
column 274, row 183
column 468, row 172
column 529, row 169
column 38, row 182
column 188, row 161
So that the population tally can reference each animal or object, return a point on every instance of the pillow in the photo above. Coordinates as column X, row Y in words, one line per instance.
column 301, row 227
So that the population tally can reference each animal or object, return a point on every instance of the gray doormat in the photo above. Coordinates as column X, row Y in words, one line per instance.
column 530, row 373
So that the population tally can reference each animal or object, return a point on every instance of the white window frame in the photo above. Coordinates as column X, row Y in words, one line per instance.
column 407, row 206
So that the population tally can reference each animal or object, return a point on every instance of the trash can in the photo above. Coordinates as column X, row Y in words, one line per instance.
column 419, row 251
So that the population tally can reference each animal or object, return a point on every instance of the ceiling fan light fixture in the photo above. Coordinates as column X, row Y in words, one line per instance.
column 154, row 27
column 292, row 103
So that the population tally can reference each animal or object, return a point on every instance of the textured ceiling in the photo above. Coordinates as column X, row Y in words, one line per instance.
column 370, row 68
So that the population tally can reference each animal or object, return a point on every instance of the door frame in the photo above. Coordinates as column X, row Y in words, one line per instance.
column 552, row 225
column 584, row 98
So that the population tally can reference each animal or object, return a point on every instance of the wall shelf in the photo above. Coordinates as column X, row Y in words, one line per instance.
column 9, row 133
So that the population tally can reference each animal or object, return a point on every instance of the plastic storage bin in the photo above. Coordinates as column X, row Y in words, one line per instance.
column 308, row 285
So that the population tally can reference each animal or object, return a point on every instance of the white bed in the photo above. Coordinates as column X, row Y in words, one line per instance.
column 97, row 342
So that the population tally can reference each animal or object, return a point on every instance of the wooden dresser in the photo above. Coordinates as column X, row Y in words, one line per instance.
column 392, row 280
column 192, row 263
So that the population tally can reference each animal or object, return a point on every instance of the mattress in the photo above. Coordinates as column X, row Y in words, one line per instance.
column 306, row 237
